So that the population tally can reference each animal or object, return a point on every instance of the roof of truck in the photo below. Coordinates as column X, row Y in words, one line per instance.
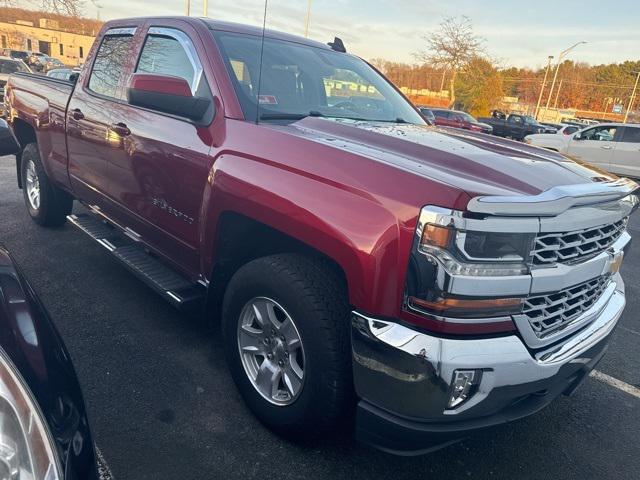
column 223, row 26
column 253, row 30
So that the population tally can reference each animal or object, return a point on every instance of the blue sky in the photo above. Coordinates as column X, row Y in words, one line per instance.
column 520, row 33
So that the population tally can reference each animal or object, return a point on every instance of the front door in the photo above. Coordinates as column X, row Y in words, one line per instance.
column 158, row 174
column 594, row 145
column 626, row 155
column 90, row 140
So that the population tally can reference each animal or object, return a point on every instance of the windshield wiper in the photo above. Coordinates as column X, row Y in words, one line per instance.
column 315, row 113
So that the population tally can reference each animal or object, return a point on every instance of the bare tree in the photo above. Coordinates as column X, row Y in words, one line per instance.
column 71, row 8
column 451, row 48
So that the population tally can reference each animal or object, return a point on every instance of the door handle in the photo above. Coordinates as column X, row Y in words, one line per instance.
column 606, row 147
column 120, row 128
column 77, row 114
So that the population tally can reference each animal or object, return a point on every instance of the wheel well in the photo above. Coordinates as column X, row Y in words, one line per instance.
column 25, row 135
column 242, row 239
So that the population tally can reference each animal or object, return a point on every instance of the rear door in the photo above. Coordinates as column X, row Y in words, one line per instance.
column 515, row 126
column 594, row 145
column 158, row 173
column 626, row 154
column 89, row 138
column 443, row 118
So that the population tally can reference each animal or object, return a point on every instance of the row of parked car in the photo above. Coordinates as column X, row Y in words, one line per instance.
column 614, row 147
column 11, row 61
column 37, row 61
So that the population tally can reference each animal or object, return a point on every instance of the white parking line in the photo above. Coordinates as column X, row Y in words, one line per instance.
column 104, row 472
column 614, row 382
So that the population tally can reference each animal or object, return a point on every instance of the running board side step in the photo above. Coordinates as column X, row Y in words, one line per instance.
column 175, row 288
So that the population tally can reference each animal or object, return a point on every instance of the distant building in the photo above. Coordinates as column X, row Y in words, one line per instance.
column 68, row 47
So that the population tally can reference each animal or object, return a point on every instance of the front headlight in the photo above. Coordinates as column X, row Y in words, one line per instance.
column 476, row 253
column 461, row 267
column 27, row 451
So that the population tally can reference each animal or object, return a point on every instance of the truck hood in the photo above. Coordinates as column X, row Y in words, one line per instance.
column 476, row 163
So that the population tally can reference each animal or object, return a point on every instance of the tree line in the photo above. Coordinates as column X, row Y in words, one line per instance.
column 455, row 60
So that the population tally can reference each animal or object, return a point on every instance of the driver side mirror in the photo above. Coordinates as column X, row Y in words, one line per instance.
column 578, row 136
column 167, row 94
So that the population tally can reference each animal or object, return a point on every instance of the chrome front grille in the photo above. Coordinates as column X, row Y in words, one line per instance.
column 549, row 313
column 577, row 245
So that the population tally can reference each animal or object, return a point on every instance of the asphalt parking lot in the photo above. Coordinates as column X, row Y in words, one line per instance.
column 162, row 404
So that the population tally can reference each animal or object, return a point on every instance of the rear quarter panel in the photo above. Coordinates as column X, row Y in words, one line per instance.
column 41, row 103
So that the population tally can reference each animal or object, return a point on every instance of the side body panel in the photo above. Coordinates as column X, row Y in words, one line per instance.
column 41, row 103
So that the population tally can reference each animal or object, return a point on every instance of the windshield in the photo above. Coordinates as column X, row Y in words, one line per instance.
column 468, row 117
column 301, row 80
column 8, row 67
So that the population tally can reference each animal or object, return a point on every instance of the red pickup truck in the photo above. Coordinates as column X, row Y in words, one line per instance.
column 364, row 265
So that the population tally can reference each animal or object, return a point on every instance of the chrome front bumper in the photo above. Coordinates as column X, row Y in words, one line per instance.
column 407, row 374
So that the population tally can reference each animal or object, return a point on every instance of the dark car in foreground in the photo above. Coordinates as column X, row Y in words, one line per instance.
column 459, row 119
column 44, row 432
column 433, row 280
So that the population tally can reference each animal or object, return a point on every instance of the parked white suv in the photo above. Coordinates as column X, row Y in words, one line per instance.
column 614, row 147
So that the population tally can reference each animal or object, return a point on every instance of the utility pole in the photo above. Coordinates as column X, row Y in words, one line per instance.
column 555, row 104
column 444, row 73
column 306, row 25
column 544, row 84
column 606, row 102
column 555, row 76
column 187, row 7
column 205, row 8
column 633, row 97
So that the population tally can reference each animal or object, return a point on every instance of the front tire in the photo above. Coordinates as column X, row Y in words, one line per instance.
column 286, row 331
column 47, row 205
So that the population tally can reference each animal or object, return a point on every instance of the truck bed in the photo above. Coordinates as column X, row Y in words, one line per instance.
column 41, row 102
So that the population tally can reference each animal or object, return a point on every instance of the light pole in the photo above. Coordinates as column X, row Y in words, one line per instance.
column 544, row 84
column 606, row 102
column 205, row 8
column 555, row 104
column 306, row 24
column 555, row 76
column 633, row 95
column 187, row 7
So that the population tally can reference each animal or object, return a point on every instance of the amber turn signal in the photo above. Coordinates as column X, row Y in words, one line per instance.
column 463, row 305
column 437, row 236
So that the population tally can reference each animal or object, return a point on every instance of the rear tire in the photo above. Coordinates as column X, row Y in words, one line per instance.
column 47, row 205
column 312, row 296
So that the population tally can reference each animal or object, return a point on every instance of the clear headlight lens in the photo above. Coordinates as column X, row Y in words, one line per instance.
column 477, row 253
column 26, row 449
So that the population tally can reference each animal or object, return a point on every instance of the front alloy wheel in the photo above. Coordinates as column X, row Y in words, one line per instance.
column 271, row 350
column 285, row 323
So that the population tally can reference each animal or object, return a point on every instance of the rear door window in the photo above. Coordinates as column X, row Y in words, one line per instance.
column 631, row 135
column 108, row 66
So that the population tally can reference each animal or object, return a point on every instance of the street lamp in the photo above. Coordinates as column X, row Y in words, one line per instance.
column 555, row 76
column 544, row 84
column 306, row 25
column 633, row 95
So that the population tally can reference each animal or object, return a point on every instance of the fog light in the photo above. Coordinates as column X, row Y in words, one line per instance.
column 464, row 386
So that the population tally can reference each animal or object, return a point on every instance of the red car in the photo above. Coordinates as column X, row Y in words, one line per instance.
column 458, row 119
column 428, row 281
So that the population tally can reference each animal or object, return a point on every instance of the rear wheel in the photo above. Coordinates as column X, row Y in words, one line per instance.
column 47, row 205
column 285, row 324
